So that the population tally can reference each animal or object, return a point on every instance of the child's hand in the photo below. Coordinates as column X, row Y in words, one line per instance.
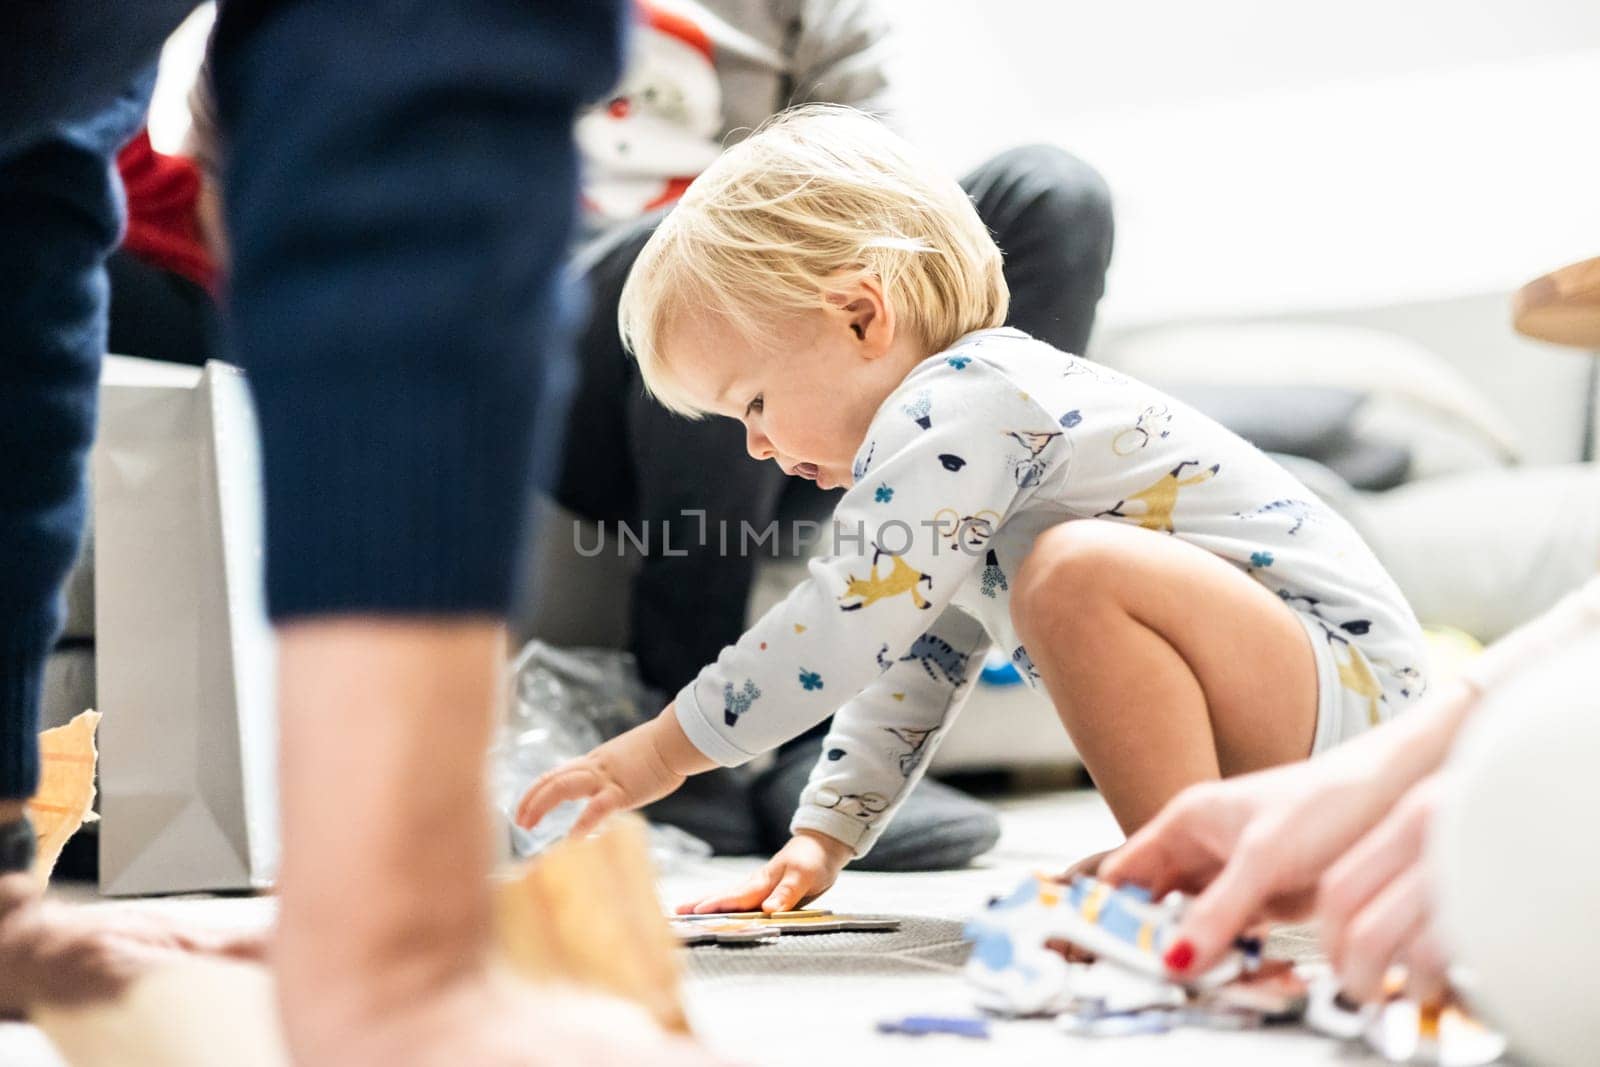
column 627, row 772
column 800, row 872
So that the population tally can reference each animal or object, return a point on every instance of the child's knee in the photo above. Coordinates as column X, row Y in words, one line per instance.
column 1073, row 570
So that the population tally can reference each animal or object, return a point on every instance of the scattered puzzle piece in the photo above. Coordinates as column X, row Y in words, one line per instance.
column 65, row 799
column 1272, row 991
column 1016, row 969
column 922, row 1025
column 754, row 928
column 1329, row 1013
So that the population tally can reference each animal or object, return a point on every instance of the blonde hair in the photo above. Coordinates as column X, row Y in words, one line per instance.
column 818, row 197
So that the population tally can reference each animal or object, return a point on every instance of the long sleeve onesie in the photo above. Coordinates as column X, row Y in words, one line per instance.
column 980, row 449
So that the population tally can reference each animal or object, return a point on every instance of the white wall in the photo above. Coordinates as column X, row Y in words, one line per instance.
column 1290, row 159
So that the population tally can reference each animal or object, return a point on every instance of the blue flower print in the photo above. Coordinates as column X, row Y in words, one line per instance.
column 959, row 362
column 1261, row 559
column 1071, row 419
column 883, row 494
column 810, row 679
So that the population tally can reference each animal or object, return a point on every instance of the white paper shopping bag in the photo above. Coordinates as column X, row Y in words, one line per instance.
column 184, row 656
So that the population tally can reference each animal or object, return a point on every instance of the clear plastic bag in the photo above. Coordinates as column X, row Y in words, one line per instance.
column 563, row 703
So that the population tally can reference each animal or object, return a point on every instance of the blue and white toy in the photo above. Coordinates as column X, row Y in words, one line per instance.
column 1014, row 972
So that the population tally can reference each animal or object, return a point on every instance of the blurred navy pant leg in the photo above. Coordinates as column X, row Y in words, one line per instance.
column 75, row 81
column 402, row 185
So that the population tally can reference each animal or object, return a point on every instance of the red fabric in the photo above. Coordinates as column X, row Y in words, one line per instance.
column 676, row 187
column 163, row 224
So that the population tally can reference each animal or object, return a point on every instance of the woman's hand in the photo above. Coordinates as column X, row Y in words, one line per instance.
column 802, row 870
column 1253, row 847
column 1375, row 907
column 627, row 772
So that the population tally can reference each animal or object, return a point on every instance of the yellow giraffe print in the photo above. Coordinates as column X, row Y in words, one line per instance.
column 1160, row 498
column 1356, row 676
column 902, row 578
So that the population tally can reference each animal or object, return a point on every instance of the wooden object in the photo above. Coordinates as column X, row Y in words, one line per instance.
column 1562, row 307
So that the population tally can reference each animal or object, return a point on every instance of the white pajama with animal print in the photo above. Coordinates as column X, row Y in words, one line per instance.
column 979, row 450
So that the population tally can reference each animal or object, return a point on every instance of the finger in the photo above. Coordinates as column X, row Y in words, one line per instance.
column 557, row 787
column 251, row 948
column 1377, row 933
column 1168, row 853
column 600, row 805
column 745, row 898
column 1232, row 902
column 790, row 889
column 1363, row 871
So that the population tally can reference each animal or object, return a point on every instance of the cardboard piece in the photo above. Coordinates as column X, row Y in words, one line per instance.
column 65, row 800
column 585, row 912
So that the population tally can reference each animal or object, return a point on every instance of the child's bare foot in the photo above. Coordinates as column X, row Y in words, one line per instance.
column 53, row 953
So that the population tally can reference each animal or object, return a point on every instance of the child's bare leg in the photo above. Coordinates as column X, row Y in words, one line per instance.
column 1167, row 665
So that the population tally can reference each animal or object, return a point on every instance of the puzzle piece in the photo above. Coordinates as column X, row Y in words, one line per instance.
column 1404, row 1031
column 1273, row 992
column 922, row 1025
column 1330, row 1014
column 65, row 798
column 1015, row 971
column 1401, row 1030
column 754, row 928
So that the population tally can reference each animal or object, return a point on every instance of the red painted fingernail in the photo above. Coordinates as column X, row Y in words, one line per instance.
column 1179, row 957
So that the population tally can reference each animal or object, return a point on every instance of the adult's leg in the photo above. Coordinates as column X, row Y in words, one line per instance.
column 1155, row 695
column 398, row 223
column 1050, row 213
column 76, row 80
column 60, row 212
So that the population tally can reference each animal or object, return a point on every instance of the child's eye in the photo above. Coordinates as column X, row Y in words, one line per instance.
column 754, row 405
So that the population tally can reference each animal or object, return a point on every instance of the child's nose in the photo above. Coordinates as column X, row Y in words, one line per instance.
column 756, row 443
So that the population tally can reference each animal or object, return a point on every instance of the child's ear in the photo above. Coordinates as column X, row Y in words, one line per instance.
column 861, row 315
column 865, row 314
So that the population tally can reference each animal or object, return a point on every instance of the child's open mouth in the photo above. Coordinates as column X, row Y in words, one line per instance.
column 807, row 470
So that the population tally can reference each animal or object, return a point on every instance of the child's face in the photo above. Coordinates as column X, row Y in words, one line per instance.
column 806, row 400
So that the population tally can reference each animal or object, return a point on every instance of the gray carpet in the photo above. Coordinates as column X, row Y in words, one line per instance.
column 912, row 949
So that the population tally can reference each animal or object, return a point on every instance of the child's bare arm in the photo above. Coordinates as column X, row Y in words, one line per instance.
column 627, row 772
